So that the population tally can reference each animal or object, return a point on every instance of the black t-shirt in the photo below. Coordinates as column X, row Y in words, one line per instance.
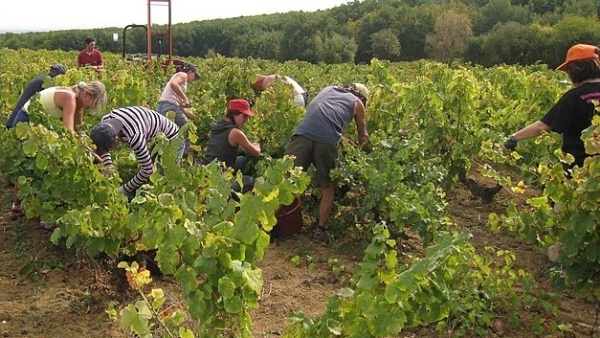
column 571, row 115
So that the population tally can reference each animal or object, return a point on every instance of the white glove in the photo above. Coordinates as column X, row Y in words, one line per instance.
column 121, row 190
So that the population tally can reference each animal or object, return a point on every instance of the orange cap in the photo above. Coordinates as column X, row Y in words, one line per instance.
column 579, row 52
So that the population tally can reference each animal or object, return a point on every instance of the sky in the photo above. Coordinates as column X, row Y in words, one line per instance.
column 44, row 15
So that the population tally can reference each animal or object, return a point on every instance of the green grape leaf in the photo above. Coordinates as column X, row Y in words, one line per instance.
column 233, row 304
column 226, row 287
column 30, row 147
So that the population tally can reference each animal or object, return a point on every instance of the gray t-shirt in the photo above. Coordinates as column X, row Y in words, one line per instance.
column 327, row 115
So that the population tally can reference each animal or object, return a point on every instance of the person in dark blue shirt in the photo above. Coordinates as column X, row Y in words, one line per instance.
column 33, row 87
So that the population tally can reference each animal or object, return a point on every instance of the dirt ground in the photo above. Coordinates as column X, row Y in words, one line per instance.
column 49, row 291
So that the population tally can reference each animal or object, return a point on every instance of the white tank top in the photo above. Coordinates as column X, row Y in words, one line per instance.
column 169, row 95
column 47, row 100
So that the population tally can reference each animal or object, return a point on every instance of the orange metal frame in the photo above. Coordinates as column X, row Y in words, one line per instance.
column 151, row 32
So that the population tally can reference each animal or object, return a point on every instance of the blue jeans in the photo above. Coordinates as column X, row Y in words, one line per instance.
column 11, row 118
column 247, row 181
column 240, row 163
column 165, row 106
column 20, row 116
column 180, row 152
column 180, row 119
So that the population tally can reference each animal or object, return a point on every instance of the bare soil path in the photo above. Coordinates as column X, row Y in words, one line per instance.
column 49, row 291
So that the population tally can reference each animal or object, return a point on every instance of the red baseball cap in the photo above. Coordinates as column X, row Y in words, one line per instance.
column 240, row 105
column 579, row 52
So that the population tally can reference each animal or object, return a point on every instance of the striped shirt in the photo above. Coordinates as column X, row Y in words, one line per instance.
column 140, row 125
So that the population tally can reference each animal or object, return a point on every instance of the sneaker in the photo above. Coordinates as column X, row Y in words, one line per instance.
column 321, row 235
column 16, row 212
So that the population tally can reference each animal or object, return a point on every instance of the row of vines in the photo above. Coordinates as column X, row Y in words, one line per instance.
column 431, row 125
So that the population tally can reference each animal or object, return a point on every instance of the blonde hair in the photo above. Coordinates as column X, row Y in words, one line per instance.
column 96, row 90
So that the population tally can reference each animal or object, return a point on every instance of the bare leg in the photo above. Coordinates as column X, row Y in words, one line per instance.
column 327, row 192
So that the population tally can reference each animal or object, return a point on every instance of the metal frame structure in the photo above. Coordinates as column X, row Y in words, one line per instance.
column 150, row 32
column 125, row 33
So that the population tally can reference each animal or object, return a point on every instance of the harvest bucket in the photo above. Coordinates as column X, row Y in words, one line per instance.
column 289, row 219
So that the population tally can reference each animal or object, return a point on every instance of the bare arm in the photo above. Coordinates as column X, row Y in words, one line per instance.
column 68, row 103
column 178, row 80
column 361, row 124
column 188, row 113
column 238, row 138
column 531, row 131
column 78, row 118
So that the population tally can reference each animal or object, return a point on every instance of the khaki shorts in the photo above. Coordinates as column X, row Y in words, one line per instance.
column 323, row 156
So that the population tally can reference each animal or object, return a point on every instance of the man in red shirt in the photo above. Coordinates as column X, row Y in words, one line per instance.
column 90, row 56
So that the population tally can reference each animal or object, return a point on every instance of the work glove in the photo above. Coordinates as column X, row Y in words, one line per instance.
column 511, row 143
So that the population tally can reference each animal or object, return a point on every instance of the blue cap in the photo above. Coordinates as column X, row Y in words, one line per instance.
column 60, row 69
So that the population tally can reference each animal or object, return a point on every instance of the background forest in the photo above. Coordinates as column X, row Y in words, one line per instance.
column 475, row 31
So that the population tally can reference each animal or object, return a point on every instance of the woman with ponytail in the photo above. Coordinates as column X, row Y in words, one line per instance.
column 67, row 104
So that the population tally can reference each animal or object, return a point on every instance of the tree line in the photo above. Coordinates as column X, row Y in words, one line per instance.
column 480, row 32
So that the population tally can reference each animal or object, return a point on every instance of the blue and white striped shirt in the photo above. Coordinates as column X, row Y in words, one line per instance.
column 140, row 125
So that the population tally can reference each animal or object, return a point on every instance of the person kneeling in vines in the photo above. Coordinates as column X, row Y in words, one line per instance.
column 226, row 136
